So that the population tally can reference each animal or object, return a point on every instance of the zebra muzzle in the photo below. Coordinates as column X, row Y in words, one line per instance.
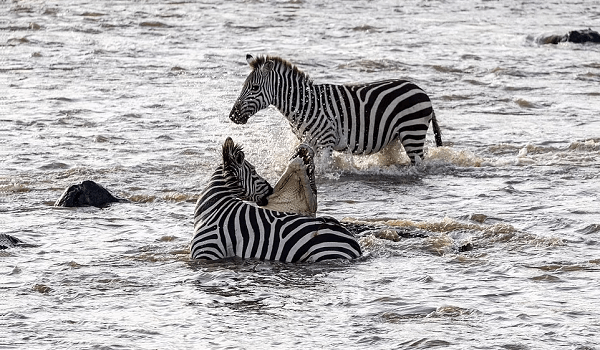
column 237, row 116
column 265, row 200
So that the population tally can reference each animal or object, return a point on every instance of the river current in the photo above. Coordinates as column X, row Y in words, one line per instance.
column 135, row 95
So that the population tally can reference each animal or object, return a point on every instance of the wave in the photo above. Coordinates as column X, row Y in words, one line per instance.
column 366, row 65
column 444, row 237
column 393, row 160
column 14, row 187
column 169, row 197
column 446, row 225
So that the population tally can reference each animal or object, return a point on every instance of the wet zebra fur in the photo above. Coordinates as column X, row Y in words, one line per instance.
column 361, row 119
column 227, row 226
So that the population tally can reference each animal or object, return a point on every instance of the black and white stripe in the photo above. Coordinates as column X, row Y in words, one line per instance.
column 361, row 118
column 227, row 226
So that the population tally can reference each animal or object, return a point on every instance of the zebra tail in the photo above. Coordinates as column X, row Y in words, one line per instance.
column 436, row 130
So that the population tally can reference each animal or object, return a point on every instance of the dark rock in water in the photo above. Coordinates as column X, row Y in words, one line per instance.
column 465, row 247
column 8, row 241
column 480, row 218
column 583, row 36
column 574, row 36
column 88, row 193
column 552, row 39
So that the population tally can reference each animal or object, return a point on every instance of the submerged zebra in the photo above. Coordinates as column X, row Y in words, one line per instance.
column 360, row 118
column 226, row 226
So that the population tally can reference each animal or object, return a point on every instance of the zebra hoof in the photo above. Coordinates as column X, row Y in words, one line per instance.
column 88, row 193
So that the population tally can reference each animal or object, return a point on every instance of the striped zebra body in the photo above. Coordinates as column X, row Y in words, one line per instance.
column 361, row 119
column 227, row 226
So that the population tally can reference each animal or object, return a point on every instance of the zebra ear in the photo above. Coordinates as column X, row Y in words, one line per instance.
column 268, row 66
column 249, row 59
column 239, row 156
column 232, row 153
column 228, row 148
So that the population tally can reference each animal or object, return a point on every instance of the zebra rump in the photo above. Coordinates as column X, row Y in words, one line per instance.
column 361, row 118
column 225, row 225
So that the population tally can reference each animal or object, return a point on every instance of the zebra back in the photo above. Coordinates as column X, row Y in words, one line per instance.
column 251, row 232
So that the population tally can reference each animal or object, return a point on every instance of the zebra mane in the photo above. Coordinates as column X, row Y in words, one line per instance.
column 260, row 60
column 230, row 149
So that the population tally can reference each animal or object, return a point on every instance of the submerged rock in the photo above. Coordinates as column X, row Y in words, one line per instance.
column 88, row 193
column 574, row 36
column 8, row 241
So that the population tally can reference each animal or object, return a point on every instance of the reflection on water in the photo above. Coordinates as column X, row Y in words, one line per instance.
column 489, row 243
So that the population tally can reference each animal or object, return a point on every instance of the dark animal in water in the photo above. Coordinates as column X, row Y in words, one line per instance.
column 88, row 193
column 574, row 36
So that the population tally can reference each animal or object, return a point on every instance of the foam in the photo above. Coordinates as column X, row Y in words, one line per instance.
column 14, row 188
column 448, row 235
column 462, row 158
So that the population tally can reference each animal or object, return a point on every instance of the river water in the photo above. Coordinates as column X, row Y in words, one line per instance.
column 135, row 95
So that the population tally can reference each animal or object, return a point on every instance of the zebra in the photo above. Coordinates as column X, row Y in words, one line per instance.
column 361, row 118
column 225, row 225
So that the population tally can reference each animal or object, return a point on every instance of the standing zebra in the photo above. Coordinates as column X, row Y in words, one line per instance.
column 226, row 226
column 360, row 118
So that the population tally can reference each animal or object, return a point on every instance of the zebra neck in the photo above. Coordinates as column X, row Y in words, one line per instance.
column 217, row 192
column 296, row 97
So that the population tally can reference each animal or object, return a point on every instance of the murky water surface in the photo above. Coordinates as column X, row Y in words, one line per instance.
column 135, row 95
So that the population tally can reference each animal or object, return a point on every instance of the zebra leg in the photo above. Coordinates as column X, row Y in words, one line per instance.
column 325, row 158
column 414, row 150
column 436, row 130
column 416, row 158
column 328, row 153
column 413, row 140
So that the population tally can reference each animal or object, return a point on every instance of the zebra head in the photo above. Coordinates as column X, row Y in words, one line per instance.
column 256, row 93
column 242, row 176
